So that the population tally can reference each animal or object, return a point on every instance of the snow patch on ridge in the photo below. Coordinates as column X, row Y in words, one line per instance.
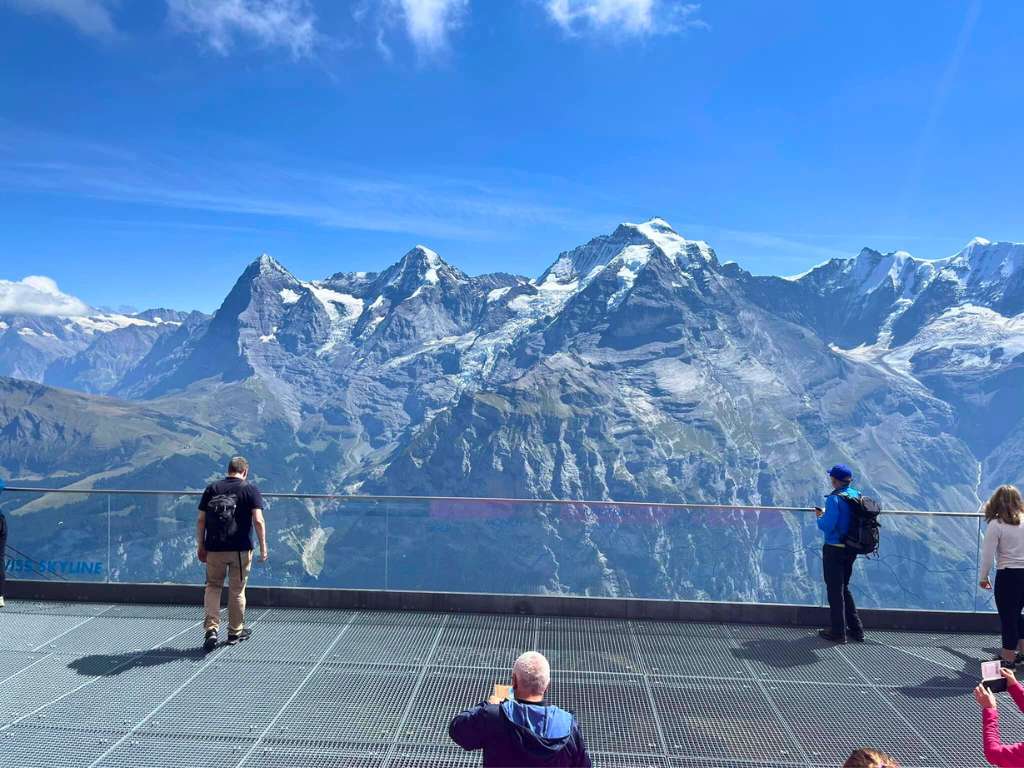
column 288, row 296
column 341, row 321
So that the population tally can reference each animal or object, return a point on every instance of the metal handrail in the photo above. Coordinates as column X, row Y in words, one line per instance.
column 480, row 500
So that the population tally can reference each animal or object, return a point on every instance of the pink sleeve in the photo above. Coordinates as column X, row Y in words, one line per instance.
column 1017, row 693
column 1004, row 756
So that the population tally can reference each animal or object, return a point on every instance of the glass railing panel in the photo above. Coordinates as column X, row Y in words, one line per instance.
column 924, row 562
column 602, row 549
column 152, row 538
column 56, row 536
column 718, row 553
column 324, row 543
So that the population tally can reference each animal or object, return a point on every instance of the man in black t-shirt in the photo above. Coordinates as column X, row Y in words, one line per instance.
column 229, row 510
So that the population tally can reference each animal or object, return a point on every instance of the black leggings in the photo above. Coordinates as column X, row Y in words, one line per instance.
column 1009, row 590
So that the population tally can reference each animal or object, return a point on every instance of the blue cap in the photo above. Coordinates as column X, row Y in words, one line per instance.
column 841, row 472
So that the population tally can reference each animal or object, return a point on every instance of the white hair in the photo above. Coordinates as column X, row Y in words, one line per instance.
column 532, row 673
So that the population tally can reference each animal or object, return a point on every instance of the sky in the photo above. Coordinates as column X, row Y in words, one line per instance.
column 150, row 149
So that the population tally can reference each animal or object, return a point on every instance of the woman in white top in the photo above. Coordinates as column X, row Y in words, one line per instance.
column 1004, row 543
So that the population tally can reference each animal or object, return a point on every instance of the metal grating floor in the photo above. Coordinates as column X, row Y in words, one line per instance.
column 125, row 685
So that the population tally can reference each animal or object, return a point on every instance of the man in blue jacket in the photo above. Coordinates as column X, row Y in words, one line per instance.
column 522, row 730
column 837, row 559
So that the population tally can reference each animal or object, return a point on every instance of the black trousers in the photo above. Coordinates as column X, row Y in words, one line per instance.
column 837, row 563
column 1009, row 589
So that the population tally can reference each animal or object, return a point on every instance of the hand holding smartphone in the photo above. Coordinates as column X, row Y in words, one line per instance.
column 501, row 692
column 991, row 677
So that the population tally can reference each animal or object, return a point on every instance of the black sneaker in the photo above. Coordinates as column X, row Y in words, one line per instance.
column 857, row 638
column 211, row 640
column 243, row 635
column 1008, row 664
column 832, row 637
column 1019, row 659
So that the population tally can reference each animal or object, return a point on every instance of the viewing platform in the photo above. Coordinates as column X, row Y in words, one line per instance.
column 127, row 685
column 680, row 634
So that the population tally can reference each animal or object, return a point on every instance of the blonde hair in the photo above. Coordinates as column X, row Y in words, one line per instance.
column 1005, row 505
column 870, row 758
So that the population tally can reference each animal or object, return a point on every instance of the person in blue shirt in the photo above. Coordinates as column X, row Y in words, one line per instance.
column 837, row 560
column 523, row 729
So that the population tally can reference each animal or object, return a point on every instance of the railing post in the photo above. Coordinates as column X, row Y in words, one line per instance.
column 107, row 569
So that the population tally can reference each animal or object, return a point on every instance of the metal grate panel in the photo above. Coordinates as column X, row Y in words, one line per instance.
column 587, row 645
column 831, row 722
column 885, row 666
column 346, row 706
column 484, row 641
column 115, row 635
column 175, row 751
column 34, row 746
column 689, row 656
column 26, row 631
column 446, row 692
column 614, row 711
column 720, row 720
column 789, row 653
column 647, row 693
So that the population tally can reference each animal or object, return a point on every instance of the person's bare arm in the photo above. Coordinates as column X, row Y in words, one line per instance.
column 201, row 536
column 261, row 532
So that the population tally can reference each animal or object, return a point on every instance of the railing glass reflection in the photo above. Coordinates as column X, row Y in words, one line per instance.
column 676, row 552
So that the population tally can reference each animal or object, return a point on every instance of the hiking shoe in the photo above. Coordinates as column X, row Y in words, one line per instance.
column 243, row 635
column 1008, row 664
column 858, row 638
column 832, row 637
column 211, row 640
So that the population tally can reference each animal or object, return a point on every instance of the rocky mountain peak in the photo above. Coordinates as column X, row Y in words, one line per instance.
column 419, row 268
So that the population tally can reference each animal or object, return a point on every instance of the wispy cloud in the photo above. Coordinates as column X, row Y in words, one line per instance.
column 630, row 17
column 38, row 295
column 288, row 24
column 416, row 203
column 90, row 17
column 428, row 24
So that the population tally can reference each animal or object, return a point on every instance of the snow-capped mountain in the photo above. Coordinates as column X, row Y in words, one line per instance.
column 88, row 352
column 636, row 367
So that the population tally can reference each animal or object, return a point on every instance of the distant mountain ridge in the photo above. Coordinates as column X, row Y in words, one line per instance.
column 636, row 367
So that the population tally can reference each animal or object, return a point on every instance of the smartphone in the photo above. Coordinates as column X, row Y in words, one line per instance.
column 990, row 677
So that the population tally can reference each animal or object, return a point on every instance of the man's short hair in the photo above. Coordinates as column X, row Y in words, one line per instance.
column 238, row 465
column 533, row 674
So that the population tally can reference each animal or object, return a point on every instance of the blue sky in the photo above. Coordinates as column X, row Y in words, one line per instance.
column 150, row 150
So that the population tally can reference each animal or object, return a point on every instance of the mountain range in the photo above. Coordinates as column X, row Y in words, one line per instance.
column 637, row 367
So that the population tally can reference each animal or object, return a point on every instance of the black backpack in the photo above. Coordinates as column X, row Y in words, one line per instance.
column 863, row 535
column 221, row 523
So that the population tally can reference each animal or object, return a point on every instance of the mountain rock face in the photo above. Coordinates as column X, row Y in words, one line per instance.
column 636, row 368
column 90, row 353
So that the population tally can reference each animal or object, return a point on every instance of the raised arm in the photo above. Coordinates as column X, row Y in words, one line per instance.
column 997, row 753
column 830, row 519
column 467, row 729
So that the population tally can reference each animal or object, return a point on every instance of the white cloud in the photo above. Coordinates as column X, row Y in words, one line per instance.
column 289, row 24
column 632, row 17
column 429, row 22
column 90, row 17
column 38, row 295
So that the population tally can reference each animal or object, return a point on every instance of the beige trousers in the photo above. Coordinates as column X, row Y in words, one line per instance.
column 236, row 566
